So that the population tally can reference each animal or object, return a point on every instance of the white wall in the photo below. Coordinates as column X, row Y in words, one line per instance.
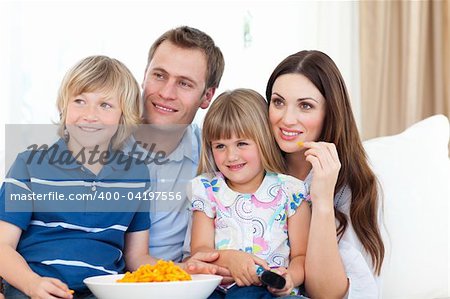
column 41, row 40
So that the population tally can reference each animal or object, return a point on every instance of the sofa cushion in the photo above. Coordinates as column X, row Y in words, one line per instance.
column 414, row 171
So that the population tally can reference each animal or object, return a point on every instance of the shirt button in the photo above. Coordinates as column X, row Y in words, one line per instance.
column 93, row 186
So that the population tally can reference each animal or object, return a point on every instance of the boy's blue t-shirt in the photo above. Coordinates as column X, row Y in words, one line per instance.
column 82, row 232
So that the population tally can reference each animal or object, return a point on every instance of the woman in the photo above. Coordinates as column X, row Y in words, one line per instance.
column 311, row 117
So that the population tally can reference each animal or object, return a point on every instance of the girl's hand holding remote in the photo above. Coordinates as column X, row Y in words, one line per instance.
column 288, row 286
column 242, row 268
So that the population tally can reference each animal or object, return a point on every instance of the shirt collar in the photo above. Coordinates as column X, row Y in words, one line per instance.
column 58, row 154
column 189, row 145
column 266, row 192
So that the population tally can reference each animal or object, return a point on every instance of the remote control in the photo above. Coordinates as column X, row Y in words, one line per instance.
column 270, row 278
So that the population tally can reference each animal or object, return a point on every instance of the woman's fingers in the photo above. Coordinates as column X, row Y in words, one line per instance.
column 325, row 163
column 315, row 162
column 334, row 153
column 321, row 152
column 325, row 153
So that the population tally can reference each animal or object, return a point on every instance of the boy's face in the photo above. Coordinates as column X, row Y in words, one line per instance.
column 92, row 119
column 174, row 85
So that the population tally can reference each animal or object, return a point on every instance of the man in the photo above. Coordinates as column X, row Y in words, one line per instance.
column 184, row 69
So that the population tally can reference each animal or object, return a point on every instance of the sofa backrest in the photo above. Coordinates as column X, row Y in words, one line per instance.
column 414, row 171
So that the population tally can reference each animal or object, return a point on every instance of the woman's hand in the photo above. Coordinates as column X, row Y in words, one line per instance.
column 288, row 286
column 324, row 159
column 242, row 267
column 48, row 288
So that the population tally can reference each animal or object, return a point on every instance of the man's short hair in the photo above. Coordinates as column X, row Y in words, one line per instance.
column 188, row 37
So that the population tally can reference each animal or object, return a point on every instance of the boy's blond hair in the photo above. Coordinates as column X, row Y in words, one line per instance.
column 243, row 113
column 110, row 77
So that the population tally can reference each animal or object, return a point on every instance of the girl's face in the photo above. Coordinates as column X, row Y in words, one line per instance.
column 296, row 111
column 92, row 119
column 239, row 160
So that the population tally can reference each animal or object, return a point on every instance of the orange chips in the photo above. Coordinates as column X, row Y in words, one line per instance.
column 162, row 271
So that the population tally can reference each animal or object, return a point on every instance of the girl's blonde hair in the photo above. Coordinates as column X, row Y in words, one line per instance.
column 243, row 113
column 110, row 77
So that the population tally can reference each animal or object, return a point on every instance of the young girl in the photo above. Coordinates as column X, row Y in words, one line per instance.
column 242, row 205
column 44, row 254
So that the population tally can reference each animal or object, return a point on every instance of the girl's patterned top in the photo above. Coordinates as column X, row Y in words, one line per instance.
column 255, row 223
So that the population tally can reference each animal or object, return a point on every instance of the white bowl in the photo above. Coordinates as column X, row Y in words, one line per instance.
column 106, row 287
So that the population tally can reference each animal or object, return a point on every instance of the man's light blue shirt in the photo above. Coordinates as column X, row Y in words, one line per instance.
column 169, row 218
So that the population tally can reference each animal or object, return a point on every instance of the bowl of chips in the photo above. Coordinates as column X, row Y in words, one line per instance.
column 164, row 280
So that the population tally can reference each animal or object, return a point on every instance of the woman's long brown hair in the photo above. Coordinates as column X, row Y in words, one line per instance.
column 340, row 128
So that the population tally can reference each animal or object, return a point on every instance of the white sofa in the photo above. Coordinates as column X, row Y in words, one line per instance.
column 414, row 170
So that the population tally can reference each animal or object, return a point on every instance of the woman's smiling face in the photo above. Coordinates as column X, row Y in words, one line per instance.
column 296, row 111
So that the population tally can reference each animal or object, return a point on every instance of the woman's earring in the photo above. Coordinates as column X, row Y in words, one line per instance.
column 66, row 135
